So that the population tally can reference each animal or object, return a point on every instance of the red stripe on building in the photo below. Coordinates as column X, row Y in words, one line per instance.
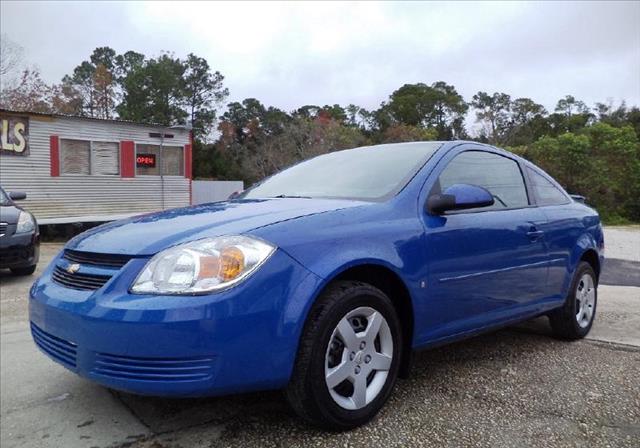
column 188, row 164
column 54, row 155
column 127, row 159
column 187, row 161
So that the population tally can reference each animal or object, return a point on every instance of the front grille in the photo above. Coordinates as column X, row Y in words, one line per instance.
column 3, row 228
column 96, row 259
column 153, row 369
column 85, row 282
column 13, row 256
column 59, row 349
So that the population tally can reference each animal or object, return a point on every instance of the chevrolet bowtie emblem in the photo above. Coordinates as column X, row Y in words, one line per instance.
column 73, row 268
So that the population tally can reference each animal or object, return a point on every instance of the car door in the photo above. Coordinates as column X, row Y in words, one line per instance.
column 486, row 265
column 562, row 230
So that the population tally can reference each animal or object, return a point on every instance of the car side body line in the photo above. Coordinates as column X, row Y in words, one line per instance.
column 511, row 268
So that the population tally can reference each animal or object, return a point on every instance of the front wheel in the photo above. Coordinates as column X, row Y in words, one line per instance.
column 575, row 318
column 348, row 359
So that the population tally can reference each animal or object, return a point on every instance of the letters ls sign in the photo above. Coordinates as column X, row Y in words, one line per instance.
column 14, row 137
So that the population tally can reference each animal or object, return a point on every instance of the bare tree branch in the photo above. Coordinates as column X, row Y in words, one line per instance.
column 11, row 55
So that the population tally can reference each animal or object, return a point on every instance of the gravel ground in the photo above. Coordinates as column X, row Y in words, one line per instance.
column 513, row 388
column 509, row 389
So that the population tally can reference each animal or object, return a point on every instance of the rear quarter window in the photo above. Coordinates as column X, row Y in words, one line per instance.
column 545, row 192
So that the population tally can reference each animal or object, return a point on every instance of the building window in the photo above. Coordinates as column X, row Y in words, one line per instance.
column 149, row 162
column 86, row 157
column 106, row 158
column 75, row 156
column 173, row 160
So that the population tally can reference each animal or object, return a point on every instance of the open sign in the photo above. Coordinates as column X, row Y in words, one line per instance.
column 146, row 160
column 14, row 135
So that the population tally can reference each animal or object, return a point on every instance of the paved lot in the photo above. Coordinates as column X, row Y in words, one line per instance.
column 517, row 387
column 623, row 242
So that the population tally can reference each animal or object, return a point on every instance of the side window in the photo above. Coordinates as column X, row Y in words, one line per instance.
column 500, row 175
column 546, row 193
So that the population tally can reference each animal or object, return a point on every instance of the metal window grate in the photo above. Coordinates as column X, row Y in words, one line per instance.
column 106, row 158
column 75, row 156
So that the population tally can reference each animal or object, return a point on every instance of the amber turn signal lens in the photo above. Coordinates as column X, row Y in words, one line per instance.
column 231, row 263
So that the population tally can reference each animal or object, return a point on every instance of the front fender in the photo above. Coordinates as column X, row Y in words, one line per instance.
column 331, row 243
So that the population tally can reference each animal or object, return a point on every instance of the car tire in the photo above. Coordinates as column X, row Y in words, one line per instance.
column 24, row 271
column 322, row 351
column 575, row 318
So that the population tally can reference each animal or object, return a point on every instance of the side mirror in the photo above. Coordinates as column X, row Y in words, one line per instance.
column 17, row 195
column 459, row 197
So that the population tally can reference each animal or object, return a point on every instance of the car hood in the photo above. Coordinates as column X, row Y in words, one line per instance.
column 148, row 234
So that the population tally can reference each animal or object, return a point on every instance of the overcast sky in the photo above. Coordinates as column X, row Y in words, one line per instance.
column 291, row 54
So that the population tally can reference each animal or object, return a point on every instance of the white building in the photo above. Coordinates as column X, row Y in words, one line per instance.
column 76, row 169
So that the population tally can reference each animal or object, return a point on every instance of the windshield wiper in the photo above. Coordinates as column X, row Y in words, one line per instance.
column 291, row 196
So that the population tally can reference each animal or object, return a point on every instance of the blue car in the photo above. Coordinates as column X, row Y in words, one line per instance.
column 322, row 279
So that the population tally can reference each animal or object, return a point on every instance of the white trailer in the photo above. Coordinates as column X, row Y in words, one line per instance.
column 77, row 169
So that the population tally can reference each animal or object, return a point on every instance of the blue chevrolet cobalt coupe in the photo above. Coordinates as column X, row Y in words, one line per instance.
column 322, row 279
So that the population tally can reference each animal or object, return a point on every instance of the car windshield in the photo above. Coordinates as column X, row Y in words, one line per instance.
column 4, row 199
column 366, row 173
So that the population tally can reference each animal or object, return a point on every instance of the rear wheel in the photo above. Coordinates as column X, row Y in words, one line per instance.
column 348, row 359
column 575, row 318
column 24, row 271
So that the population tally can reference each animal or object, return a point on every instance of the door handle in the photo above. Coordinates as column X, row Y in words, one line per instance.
column 534, row 234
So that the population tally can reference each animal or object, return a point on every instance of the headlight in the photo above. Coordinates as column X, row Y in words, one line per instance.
column 206, row 265
column 26, row 223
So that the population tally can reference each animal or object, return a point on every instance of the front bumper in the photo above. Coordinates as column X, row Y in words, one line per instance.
column 19, row 250
column 237, row 340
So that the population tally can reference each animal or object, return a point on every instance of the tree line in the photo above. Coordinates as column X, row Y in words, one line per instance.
column 593, row 151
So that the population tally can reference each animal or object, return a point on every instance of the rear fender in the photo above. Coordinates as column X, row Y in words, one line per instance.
column 585, row 242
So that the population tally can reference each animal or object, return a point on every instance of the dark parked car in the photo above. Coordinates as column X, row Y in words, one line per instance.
column 19, row 236
column 323, row 278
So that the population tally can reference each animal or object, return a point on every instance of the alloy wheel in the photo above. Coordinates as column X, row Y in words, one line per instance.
column 585, row 300
column 358, row 358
